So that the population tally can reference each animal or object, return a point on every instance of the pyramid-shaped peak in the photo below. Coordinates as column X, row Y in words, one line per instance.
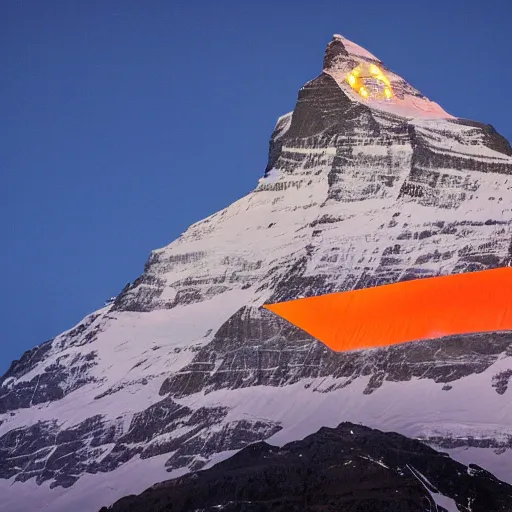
column 366, row 79
column 340, row 49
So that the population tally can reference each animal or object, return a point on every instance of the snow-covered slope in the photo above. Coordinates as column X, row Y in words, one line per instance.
column 342, row 56
column 185, row 367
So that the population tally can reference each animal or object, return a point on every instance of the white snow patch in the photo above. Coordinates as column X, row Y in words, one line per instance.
column 354, row 49
column 373, row 460
column 439, row 499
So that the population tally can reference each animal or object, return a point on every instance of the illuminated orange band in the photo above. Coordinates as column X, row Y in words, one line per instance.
column 406, row 311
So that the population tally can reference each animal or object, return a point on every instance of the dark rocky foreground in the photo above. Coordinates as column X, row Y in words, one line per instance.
column 348, row 468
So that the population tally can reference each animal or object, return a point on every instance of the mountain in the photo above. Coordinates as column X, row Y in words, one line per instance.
column 363, row 187
column 350, row 467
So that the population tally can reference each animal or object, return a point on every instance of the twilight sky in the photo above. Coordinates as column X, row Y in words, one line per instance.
column 125, row 121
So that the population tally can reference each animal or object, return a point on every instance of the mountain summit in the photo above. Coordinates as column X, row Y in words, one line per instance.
column 351, row 66
column 368, row 183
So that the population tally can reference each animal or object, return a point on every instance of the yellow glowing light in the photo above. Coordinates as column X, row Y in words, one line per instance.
column 369, row 81
column 383, row 78
column 374, row 70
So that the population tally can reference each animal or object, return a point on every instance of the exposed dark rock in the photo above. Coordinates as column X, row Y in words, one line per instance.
column 447, row 442
column 501, row 380
column 492, row 139
column 232, row 436
column 350, row 467
column 48, row 452
column 84, row 333
column 323, row 109
column 334, row 52
column 27, row 362
column 58, row 379
column 260, row 348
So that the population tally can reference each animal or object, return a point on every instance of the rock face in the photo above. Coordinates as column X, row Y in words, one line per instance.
column 350, row 467
column 185, row 366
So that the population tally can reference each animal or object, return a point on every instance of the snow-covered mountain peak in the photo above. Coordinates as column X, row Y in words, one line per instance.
column 338, row 42
column 185, row 366
column 366, row 79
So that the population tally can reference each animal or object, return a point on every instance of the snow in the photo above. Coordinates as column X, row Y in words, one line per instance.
column 466, row 144
column 373, row 460
column 270, row 229
column 423, row 410
column 440, row 499
column 128, row 339
column 95, row 491
column 282, row 125
column 271, row 177
column 309, row 151
column 410, row 106
column 354, row 49
column 497, row 461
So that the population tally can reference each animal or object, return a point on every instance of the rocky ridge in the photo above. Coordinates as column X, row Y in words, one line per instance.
column 349, row 467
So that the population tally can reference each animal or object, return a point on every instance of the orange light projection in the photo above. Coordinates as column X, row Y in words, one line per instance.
column 407, row 311
column 369, row 81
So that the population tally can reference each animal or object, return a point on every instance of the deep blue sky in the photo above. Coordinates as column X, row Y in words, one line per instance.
column 123, row 122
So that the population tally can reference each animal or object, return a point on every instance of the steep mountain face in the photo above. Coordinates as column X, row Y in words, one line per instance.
column 185, row 367
column 350, row 467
